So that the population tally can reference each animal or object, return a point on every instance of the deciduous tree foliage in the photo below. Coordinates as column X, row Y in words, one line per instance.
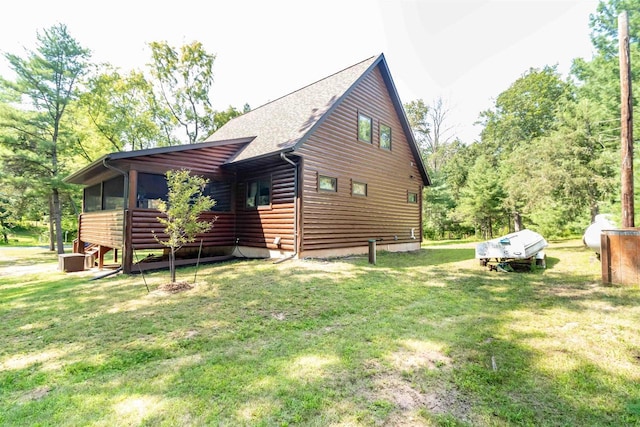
column 185, row 203
column 183, row 80
column 123, row 110
column 432, row 131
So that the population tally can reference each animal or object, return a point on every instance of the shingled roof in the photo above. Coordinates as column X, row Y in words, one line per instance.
column 282, row 124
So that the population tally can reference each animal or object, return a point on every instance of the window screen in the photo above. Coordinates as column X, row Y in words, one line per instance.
column 93, row 198
column 151, row 189
column 113, row 194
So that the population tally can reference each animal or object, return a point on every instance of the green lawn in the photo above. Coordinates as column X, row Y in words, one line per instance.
column 26, row 236
column 427, row 338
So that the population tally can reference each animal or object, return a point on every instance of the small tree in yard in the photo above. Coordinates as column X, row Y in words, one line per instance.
column 185, row 203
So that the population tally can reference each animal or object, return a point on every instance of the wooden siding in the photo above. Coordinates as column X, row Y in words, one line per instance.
column 144, row 223
column 103, row 228
column 339, row 220
column 203, row 161
column 258, row 227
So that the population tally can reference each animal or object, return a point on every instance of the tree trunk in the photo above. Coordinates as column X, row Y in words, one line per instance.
column 595, row 210
column 172, row 265
column 517, row 221
column 58, row 220
column 52, row 245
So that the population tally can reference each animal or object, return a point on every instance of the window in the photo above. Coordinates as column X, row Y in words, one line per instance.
column 358, row 188
column 152, row 188
column 258, row 193
column 364, row 128
column 327, row 183
column 412, row 197
column 385, row 137
column 113, row 194
column 221, row 193
column 93, row 198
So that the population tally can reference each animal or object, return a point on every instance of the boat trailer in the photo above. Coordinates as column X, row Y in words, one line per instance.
column 522, row 248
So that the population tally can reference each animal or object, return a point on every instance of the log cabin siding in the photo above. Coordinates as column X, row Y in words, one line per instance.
column 144, row 223
column 258, row 227
column 104, row 228
column 203, row 161
column 339, row 220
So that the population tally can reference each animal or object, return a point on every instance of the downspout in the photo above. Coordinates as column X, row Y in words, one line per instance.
column 126, row 205
column 284, row 157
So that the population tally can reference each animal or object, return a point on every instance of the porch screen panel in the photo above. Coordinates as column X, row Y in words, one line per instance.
column 93, row 198
column 151, row 189
column 113, row 194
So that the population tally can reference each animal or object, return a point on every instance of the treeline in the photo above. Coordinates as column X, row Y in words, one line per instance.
column 548, row 156
column 59, row 111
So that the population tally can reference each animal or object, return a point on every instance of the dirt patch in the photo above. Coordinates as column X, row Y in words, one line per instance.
column 35, row 394
column 20, row 270
column 416, row 356
column 176, row 287
column 438, row 398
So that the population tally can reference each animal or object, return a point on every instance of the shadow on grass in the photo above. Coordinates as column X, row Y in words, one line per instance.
column 423, row 334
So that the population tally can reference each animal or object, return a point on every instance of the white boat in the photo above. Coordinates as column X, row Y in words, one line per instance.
column 521, row 245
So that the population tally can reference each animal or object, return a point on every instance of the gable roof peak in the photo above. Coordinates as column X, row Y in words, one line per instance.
column 368, row 60
column 281, row 124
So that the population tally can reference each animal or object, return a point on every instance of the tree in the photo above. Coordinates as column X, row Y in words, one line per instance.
column 576, row 163
column 183, row 83
column 432, row 132
column 123, row 110
column 604, row 25
column 481, row 201
column 185, row 203
column 527, row 110
column 46, row 83
column 222, row 117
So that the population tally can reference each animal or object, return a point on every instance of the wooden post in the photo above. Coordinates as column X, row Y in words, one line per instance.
column 626, row 123
column 372, row 251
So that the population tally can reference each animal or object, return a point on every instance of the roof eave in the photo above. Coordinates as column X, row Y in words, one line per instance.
column 404, row 121
column 78, row 177
column 72, row 179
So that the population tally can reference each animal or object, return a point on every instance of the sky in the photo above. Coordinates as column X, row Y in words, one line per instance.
column 464, row 51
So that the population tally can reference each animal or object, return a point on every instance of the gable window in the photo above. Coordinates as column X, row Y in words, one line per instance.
column 412, row 197
column 327, row 183
column 385, row 137
column 258, row 193
column 358, row 188
column 364, row 128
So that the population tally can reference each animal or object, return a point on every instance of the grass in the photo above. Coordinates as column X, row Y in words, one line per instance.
column 26, row 236
column 425, row 338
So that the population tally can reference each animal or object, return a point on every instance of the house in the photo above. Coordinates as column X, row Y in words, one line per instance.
column 316, row 173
